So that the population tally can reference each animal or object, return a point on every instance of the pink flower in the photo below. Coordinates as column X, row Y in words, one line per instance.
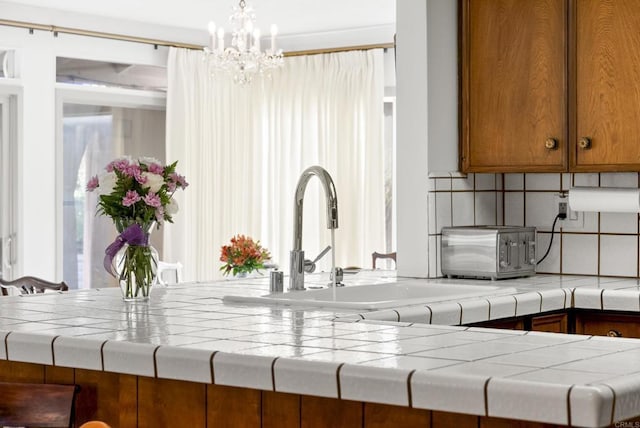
column 93, row 184
column 153, row 200
column 155, row 168
column 118, row 164
column 179, row 180
column 130, row 198
column 171, row 186
column 132, row 170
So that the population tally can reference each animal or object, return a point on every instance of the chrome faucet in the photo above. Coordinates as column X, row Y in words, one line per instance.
column 297, row 263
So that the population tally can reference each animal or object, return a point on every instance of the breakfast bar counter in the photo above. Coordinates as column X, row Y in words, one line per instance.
column 413, row 363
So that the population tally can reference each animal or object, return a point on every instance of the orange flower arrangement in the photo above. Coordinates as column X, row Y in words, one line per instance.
column 243, row 255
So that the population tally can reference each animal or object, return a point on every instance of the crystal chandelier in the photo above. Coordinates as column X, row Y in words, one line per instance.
column 244, row 58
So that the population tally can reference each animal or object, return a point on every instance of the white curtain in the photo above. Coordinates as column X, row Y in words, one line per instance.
column 243, row 149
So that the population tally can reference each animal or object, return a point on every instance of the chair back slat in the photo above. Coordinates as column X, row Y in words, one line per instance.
column 375, row 256
column 41, row 405
column 31, row 285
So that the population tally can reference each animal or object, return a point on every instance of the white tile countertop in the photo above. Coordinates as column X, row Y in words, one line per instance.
column 415, row 356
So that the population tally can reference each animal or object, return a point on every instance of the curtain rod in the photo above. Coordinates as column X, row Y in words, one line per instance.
column 80, row 32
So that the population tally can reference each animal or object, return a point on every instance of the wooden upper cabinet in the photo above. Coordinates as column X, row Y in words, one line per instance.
column 513, row 86
column 605, row 88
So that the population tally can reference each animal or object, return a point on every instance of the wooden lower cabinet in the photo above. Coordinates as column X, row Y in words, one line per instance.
column 553, row 323
column 125, row 401
column 607, row 324
column 505, row 324
column 136, row 401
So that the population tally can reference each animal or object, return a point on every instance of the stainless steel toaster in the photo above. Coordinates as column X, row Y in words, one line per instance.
column 494, row 252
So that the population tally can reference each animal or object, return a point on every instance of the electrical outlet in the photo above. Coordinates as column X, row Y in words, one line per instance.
column 573, row 220
column 562, row 210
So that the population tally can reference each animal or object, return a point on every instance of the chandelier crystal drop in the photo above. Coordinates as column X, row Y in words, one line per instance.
column 244, row 58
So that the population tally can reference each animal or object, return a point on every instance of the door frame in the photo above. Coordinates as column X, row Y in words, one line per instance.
column 106, row 96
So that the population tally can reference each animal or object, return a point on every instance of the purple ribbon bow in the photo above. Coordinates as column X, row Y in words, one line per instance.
column 132, row 235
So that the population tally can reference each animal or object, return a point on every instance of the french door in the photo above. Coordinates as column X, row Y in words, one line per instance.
column 8, row 185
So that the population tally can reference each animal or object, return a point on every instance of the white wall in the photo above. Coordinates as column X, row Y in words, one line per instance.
column 427, row 123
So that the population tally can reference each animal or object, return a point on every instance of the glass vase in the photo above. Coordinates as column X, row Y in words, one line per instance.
column 136, row 269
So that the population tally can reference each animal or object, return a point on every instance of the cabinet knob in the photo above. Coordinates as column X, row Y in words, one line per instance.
column 614, row 333
column 584, row 143
column 551, row 144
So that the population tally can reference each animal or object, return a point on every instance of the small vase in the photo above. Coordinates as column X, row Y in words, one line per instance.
column 136, row 269
column 241, row 274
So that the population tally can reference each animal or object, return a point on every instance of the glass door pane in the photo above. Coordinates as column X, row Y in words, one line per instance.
column 94, row 135
column 8, row 227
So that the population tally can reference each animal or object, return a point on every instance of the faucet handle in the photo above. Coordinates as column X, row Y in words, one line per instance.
column 310, row 266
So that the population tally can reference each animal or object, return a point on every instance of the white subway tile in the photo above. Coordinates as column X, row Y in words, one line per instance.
column 514, row 208
column 514, row 181
column 551, row 264
column 463, row 182
column 541, row 209
column 618, row 222
column 485, row 208
column 433, row 216
column 580, row 254
column 618, row 255
column 485, row 182
column 463, row 206
column 543, row 182
column 433, row 256
column 443, row 184
column 443, row 210
column 619, row 179
column 589, row 179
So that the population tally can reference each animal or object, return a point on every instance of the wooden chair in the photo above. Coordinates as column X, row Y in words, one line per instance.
column 375, row 256
column 31, row 285
column 41, row 405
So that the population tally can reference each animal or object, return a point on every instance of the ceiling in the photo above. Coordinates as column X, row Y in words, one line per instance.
column 291, row 16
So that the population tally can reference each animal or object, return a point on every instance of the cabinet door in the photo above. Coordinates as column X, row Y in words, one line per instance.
column 613, row 325
column 606, row 59
column 513, row 85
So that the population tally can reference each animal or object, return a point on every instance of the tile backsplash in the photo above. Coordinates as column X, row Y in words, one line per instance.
column 603, row 244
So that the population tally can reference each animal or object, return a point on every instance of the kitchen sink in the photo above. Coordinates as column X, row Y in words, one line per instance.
column 376, row 296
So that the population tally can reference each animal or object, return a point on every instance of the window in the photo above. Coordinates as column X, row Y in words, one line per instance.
column 93, row 135
column 106, row 110
column 84, row 72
